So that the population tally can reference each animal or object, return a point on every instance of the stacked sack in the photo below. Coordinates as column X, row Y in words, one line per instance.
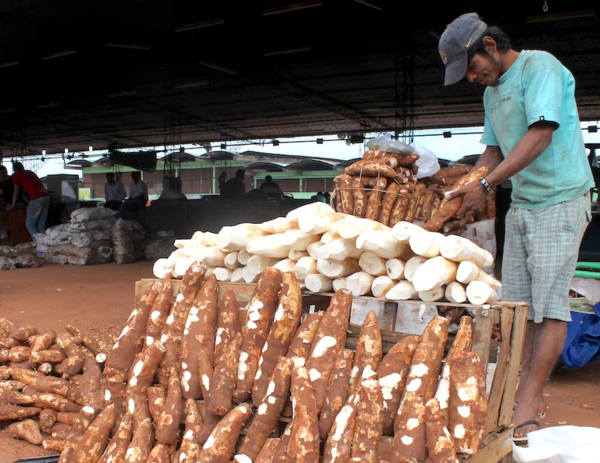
column 20, row 256
column 331, row 251
column 263, row 365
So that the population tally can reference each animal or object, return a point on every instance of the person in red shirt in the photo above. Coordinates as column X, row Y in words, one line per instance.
column 39, row 200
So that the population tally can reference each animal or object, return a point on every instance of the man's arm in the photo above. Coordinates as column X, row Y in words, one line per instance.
column 527, row 150
column 16, row 191
column 491, row 158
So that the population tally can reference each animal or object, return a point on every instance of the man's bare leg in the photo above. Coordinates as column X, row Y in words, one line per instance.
column 526, row 357
column 549, row 341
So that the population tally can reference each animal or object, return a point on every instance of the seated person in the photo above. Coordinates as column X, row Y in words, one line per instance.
column 234, row 188
column 270, row 189
column 114, row 192
column 138, row 195
column 320, row 197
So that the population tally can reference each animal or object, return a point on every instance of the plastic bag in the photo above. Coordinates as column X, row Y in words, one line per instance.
column 122, row 238
column 389, row 145
column 7, row 263
column 87, row 214
column 428, row 161
column 102, row 224
column 563, row 444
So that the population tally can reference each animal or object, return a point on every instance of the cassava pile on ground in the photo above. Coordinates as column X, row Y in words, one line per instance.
column 129, row 406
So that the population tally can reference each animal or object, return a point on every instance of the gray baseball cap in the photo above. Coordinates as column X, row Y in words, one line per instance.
column 455, row 42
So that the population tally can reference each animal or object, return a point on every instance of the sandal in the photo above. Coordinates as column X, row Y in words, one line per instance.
column 523, row 440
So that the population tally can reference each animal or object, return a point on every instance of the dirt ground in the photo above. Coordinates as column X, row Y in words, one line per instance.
column 100, row 298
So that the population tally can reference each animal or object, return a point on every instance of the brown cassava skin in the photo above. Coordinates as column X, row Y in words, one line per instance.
column 44, row 341
column 190, row 446
column 304, row 442
column 369, row 420
column 4, row 356
column 338, row 448
column 56, row 445
column 399, row 210
column 343, row 183
column 409, row 426
column 199, row 342
column 131, row 340
column 137, row 407
column 435, row 205
column 58, row 431
column 467, row 389
column 156, row 401
column 360, row 198
column 168, row 423
column 261, row 311
column 390, row 198
column 330, row 338
column 27, row 430
column 23, row 333
column 19, row 354
column 75, row 358
column 449, row 208
column 41, row 382
column 220, row 446
column 6, row 326
column 144, row 368
column 463, row 342
column 223, row 380
column 115, row 389
column 337, row 391
column 280, row 452
column 374, row 203
column 47, row 418
column 90, row 447
column 160, row 311
column 193, row 418
column 11, row 385
column 415, row 201
column 301, row 345
column 14, row 412
column 370, row 168
column 209, row 422
column 392, row 373
column 228, row 323
column 374, row 182
column 56, row 402
column 408, row 161
column 175, row 323
column 369, row 349
column 280, row 337
column 115, row 451
column 16, row 398
column 87, row 341
column 269, row 410
column 440, row 446
column 46, row 356
column 6, row 342
column 428, row 203
column 91, row 382
column 161, row 453
column 267, row 453
column 450, row 175
column 141, row 444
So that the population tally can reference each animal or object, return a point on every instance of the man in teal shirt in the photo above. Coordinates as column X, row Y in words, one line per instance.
column 533, row 137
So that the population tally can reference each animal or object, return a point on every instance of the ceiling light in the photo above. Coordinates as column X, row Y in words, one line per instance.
column 319, row 141
column 275, row 142
column 43, row 152
column 292, row 7
column 66, row 150
column 119, row 94
column 59, row 54
column 200, row 25
column 218, row 68
column 223, row 146
column 8, row 110
column 560, row 16
column 369, row 4
column 447, row 134
column 198, row 83
column 131, row 46
column 48, row 105
column 9, row 64
column 357, row 138
column 287, row 51
column 592, row 129
column 91, row 148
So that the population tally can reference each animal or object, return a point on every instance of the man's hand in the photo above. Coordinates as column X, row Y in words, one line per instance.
column 473, row 195
column 8, row 208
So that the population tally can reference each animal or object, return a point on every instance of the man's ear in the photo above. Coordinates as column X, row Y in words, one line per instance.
column 490, row 45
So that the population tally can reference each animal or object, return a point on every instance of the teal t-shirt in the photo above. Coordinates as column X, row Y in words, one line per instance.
column 537, row 87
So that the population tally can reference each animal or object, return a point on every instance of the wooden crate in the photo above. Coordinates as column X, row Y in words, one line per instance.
column 413, row 316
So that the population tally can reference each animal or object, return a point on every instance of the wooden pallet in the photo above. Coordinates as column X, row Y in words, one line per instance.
column 511, row 316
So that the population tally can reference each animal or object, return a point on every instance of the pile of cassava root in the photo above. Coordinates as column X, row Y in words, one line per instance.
column 250, row 367
column 331, row 251
column 383, row 187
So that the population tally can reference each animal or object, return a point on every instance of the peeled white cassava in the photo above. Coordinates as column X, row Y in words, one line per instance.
column 350, row 227
column 337, row 269
column 279, row 225
column 182, row 266
column 231, row 260
column 359, row 283
column 318, row 283
column 306, row 266
column 243, row 257
column 180, row 244
column 223, row 274
column 381, row 243
column 403, row 291
column 236, row 238
column 412, row 265
column 382, row 285
column 270, row 246
column 426, row 244
column 456, row 293
column 237, row 276
column 212, row 256
column 373, row 264
column 312, row 207
column 480, row 293
column 434, row 273
column 162, row 268
column 313, row 249
column 339, row 249
column 402, row 231
column 257, row 264
column 285, row 265
column 249, row 276
column 297, row 255
column 339, row 283
column 329, row 236
column 468, row 272
column 298, row 240
column 316, row 223
column 209, row 239
column 395, row 269
column 459, row 249
column 436, row 294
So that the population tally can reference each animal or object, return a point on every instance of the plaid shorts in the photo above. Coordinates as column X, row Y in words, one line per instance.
column 540, row 252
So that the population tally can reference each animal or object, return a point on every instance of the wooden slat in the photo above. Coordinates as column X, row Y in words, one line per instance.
column 501, row 374
column 518, row 339
column 390, row 312
column 494, row 448
column 482, row 335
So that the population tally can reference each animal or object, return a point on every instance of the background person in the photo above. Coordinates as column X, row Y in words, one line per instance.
column 114, row 192
column 270, row 189
column 138, row 195
column 234, row 188
column 39, row 200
